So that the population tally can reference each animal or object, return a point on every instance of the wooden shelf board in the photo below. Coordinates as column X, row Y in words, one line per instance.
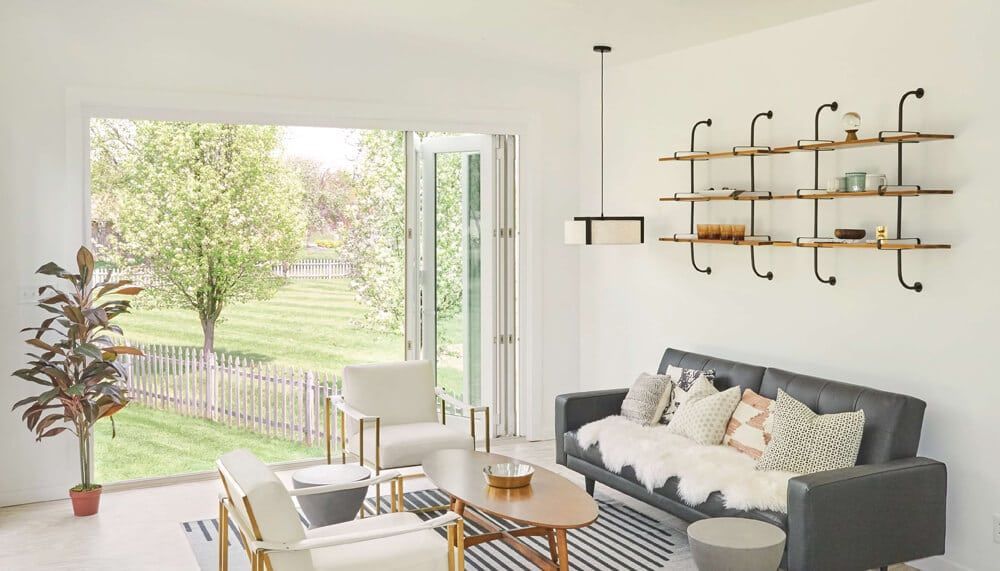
column 723, row 242
column 870, row 142
column 869, row 245
column 744, row 197
column 724, row 155
column 811, row 196
column 873, row 141
column 863, row 194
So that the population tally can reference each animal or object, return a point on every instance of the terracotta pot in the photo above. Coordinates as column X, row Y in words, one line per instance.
column 85, row 503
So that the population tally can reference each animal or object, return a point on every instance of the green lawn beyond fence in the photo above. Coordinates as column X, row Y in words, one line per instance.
column 309, row 324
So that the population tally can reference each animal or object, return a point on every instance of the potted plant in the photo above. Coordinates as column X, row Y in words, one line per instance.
column 76, row 361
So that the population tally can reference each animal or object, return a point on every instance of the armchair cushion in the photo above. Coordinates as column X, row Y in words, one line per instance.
column 398, row 393
column 417, row 551
column 406, row 444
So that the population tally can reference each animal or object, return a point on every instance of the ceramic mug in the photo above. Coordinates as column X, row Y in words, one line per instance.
column 874, row 181
column 855, row 181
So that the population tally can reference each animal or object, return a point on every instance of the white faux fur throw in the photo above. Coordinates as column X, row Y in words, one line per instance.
column 657, row 456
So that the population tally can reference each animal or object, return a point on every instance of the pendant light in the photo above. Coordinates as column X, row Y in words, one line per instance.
column 604, row 229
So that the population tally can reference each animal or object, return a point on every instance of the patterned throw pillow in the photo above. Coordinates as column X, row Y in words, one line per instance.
column 687, row 382
column 703, row 417
column 749, row 429
column 647, row 398
column 806, row 442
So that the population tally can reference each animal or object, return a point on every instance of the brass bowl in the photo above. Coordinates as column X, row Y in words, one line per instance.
column 508, row 475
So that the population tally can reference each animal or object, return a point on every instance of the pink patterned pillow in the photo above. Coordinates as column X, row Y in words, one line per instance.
column 749, row 429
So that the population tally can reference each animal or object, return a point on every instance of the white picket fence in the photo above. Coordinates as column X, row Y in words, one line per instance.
column 271, row 400
column 320, row 268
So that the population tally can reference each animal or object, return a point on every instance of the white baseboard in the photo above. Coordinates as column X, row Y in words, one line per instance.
column 33, row 495
column 938, row 563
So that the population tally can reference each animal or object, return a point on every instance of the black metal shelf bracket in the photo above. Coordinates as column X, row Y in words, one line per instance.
column 917, row 286
column 707, row 123
column 832, row 106
column 753, row 188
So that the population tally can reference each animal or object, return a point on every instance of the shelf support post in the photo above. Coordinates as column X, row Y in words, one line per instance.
column 917, row 286
column 753, row 187
column 708, row 269
column 832, row 280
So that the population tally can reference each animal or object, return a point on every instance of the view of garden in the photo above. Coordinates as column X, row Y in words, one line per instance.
column 202, row 214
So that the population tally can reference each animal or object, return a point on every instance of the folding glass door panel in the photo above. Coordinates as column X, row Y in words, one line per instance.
column 461, row 259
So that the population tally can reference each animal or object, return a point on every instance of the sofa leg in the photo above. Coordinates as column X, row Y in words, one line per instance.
column 883, row 568
column 589, row 483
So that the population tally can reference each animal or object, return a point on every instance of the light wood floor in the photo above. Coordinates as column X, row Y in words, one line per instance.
column 139, row 529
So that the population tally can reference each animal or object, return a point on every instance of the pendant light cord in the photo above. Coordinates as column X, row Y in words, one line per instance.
column 602, row 134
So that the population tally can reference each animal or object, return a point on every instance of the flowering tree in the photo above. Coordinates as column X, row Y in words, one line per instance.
column 208, row 208
column 376, row 226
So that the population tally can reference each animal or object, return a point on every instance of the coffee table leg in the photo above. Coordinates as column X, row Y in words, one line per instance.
column 563, row 550
column 551, row 536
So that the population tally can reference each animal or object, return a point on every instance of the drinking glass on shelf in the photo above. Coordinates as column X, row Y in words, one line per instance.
column 714, row 231
column 703, row 231
column 726, row 231
column 739, row 231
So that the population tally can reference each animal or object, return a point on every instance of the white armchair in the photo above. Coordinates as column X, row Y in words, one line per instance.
column 393, row 416
column 275, row 540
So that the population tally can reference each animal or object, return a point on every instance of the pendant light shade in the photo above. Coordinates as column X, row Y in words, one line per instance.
column 592, row 230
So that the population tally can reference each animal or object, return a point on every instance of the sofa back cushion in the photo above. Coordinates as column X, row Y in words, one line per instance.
column 727, row 373
column 892, row 421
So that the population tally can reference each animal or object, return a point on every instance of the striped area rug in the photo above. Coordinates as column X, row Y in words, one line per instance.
column 621, row 538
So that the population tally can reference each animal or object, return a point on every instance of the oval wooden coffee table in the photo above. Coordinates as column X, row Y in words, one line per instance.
column 547, row 507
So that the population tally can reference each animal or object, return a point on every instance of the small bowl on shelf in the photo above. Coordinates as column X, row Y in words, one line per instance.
column 849, row 233
column 508, row 475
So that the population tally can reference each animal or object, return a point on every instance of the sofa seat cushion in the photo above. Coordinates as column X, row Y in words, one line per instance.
column 714, row 506
column 419, row 550
column 406, row 444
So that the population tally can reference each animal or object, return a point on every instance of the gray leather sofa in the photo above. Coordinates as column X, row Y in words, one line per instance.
column 890, row 508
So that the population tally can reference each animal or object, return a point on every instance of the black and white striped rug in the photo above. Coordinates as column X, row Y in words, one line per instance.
column 621, row 538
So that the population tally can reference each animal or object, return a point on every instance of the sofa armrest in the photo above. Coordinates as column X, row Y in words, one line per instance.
column 573, row 410
column 867, row 516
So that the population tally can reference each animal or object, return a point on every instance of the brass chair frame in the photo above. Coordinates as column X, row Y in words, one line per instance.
column 344, row 411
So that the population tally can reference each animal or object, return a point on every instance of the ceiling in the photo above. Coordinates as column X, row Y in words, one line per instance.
column 542, row 33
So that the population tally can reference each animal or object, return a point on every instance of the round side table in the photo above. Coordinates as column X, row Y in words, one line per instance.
column 333, row 507
column 735, row 544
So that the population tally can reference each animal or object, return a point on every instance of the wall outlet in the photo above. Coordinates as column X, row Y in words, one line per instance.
column 996, row 528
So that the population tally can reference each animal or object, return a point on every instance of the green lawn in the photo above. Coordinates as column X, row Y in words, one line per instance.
column 308, row 324
column 159, row 443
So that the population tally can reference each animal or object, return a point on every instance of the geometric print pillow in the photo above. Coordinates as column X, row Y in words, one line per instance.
column 805, row 442
column 687, row 382
column 704, row 416
column 647, row 398
column 749, row 430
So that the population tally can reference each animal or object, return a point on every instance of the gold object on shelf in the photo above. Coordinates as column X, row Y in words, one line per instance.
column 880, row 233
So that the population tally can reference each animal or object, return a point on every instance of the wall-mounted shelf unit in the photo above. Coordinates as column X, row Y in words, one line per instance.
column 815, row 145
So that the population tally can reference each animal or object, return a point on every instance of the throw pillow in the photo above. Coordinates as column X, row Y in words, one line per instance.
column 647, row 398
column 703, row 418
column 750, row 428
column 687, row 382
column 806, row 442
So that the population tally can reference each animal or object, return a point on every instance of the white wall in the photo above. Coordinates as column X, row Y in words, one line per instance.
column 59, row 59
column 938, row 345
